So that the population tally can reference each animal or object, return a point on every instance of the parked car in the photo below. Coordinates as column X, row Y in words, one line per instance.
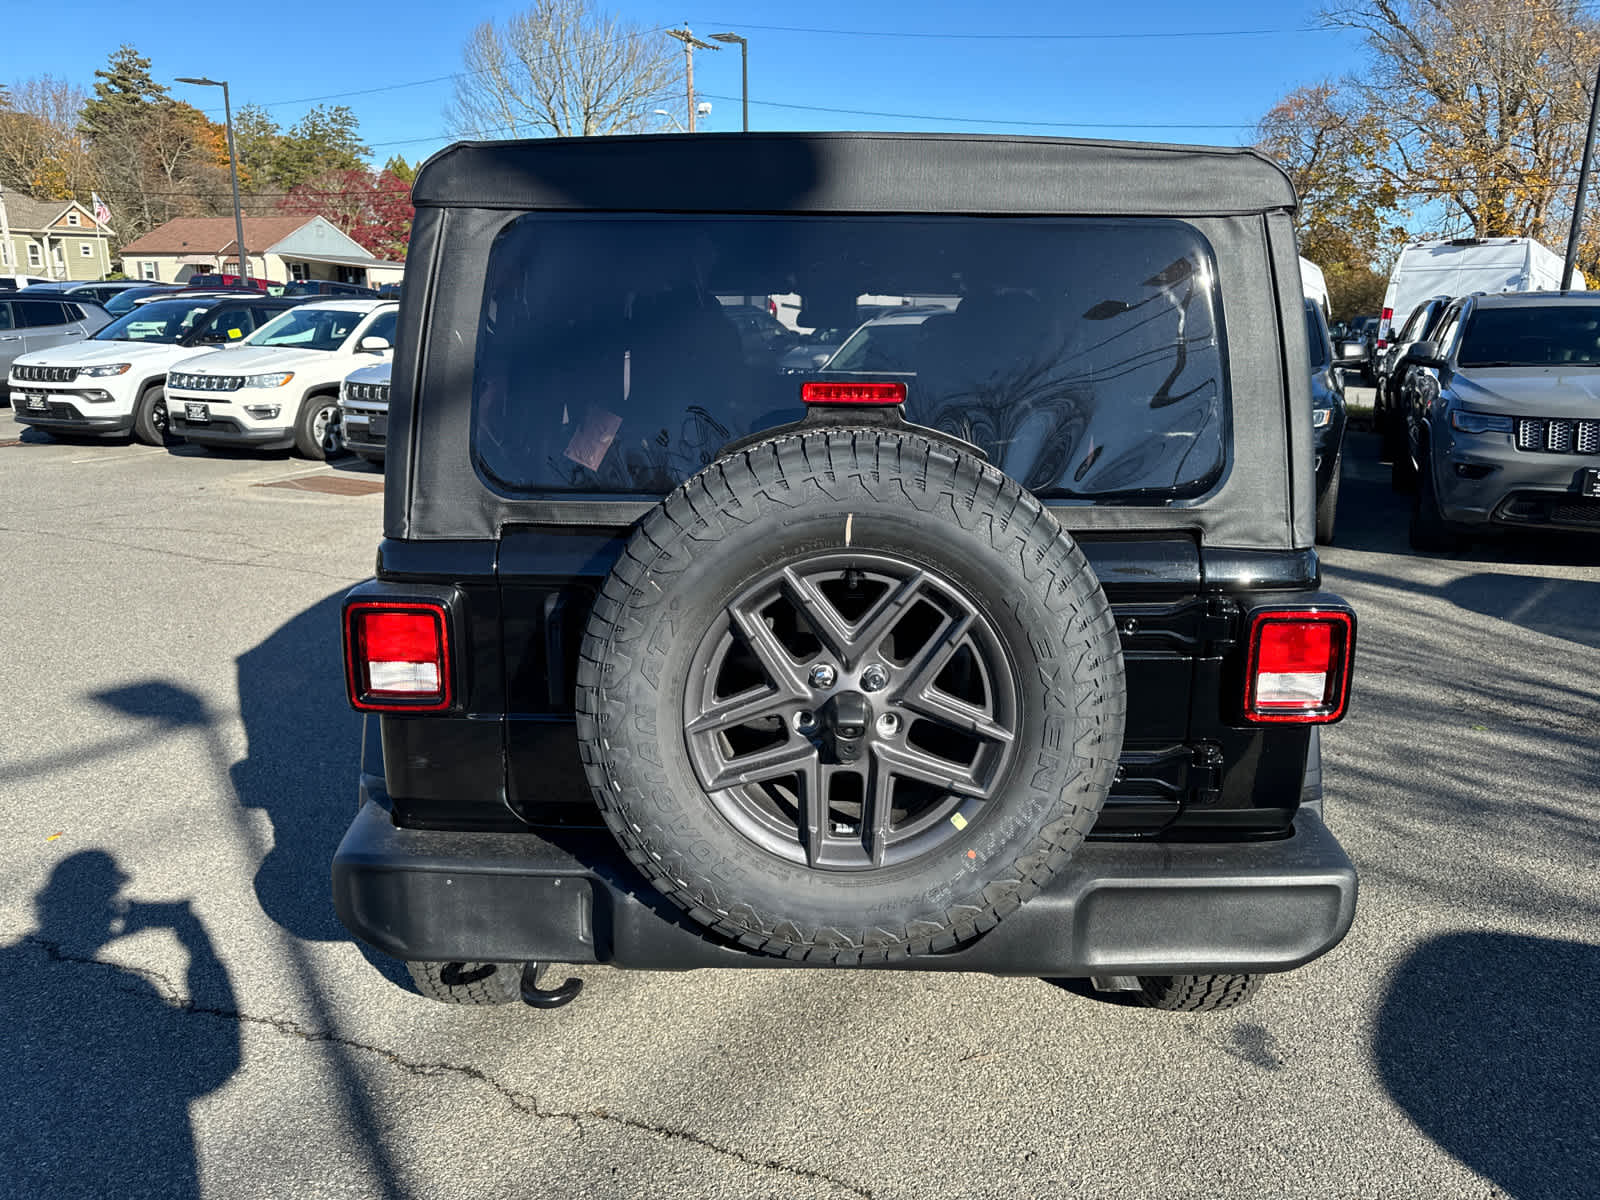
column 1502, row 412
column 280, row 386
column 364, row 412
column 215, row 280
column 1422, row 324
column 654, row 680
column 1327, row 420
column 28, row 324
column 114, row 382
column 328, row 287
column 124, row 300
column 99, row 292
column 15, row 283
column 1460, row 266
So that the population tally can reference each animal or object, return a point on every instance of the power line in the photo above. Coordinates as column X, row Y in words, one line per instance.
column 1140, row 35
column 899, row 116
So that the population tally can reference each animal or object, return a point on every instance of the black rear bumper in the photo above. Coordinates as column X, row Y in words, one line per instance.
column 1122, row 908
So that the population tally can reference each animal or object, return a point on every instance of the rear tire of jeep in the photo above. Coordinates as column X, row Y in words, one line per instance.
column 850, row 695
column 1197, row 993
column 473, row 983
column 1328, row 506
column 150, row 416
column 311, row 424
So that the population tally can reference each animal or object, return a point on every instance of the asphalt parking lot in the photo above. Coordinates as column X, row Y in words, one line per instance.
column 184, row 1015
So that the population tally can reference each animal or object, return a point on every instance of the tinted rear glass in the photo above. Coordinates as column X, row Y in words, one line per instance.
column 616, row 355
column 1316, row 338
column 1532, row 335
column 39, row 314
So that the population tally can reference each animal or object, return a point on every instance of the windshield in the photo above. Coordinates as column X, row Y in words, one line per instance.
column 309, row 329
column 1532, row 336
column 158, row 321
column 617, row 354
column 124, row 300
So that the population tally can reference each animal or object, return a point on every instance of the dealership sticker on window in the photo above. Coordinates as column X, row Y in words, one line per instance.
column 235, row 333
column 594, row 437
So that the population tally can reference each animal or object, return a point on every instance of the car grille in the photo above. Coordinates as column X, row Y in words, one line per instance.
column 1558, row 436
column 371, row 393
column 1578, row 511
column 205, row 383
column 46, row 374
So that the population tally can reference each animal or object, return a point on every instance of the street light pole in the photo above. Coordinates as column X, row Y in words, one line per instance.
column 690, row 45
column 744, row 71
column 233, row 172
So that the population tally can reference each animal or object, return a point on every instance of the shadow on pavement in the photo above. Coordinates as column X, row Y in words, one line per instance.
column 1564, row 608
column 1488, row 1042
column 301, row 764
column 103, row 1062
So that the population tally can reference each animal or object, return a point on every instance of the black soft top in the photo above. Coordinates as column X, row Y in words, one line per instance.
column 854, row 172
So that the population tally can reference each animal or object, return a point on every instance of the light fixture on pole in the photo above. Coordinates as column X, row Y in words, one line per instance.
column 744, row 70
column 690, row 45
column 233, row 172
column 676, row 124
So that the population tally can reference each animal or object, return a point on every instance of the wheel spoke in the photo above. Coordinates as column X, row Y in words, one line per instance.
column 935, row 653
column 741, row 709
column 878, row 811
column 818, row 613
column 940, row 706
column 875, row 626
column 789, row 757
column 917, row 764
column 774, row 657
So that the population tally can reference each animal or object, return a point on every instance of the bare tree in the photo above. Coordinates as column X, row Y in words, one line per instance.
column 41, row 150
column 1483, row 102
column 561, row 69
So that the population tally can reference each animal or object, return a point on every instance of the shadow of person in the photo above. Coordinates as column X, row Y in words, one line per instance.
column 103, row 1062
column 1488, row 1042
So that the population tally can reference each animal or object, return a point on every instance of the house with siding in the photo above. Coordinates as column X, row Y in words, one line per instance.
column 59, row 239
column 278, row 248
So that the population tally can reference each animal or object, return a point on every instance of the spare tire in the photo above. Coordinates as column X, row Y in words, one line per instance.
column 850, row 695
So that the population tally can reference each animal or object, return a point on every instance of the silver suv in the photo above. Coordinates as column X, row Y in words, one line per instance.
column 28, row 323
column 1502, row 418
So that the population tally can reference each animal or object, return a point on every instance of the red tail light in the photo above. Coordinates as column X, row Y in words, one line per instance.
column 1384, row 320
column 816, row 392
column 1299, row 667
column 397, row 656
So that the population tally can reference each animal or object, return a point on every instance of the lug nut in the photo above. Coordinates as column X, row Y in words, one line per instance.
column 874, row 679
column 888, row 725
column 804, row 722
column 822, row 676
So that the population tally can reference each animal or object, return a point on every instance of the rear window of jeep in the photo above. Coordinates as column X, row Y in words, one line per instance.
column 616, row 354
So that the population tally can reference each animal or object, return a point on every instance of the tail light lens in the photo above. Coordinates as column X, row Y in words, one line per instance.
column 1384, row 319
column 864, row 392
column 397, row 656
column 1299, row 669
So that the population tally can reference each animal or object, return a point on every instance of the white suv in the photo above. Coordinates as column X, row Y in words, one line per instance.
column 280, row 388
column 112, row 382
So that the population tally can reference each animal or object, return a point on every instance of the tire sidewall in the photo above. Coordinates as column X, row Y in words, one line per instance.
column 306, row 441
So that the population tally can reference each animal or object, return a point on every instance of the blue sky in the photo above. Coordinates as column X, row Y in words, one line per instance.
column 1069, row 69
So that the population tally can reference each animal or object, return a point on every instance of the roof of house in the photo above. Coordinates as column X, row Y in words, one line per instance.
column 212, row 235
column 26, row 213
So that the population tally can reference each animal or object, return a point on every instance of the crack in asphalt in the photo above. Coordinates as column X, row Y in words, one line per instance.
column 171, row 553
column 520, row 1101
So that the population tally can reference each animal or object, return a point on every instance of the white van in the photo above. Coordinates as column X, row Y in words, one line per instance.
column 1461, row 266
column 1315, row 285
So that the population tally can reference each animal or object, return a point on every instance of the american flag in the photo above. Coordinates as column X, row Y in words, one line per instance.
column 101, row 212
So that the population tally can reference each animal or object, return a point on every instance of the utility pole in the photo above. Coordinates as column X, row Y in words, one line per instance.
column 690, row 45
column 1583, row 189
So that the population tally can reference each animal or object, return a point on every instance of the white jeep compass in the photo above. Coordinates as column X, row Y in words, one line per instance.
column 281, row 387
column 112, row 383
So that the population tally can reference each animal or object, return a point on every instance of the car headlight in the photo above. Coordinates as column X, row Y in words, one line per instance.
column 1321, row 417
column 103, row 370
column 1477, row 422
column 277, row 379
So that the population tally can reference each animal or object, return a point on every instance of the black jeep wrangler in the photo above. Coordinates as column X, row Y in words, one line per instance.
column 993, row 642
